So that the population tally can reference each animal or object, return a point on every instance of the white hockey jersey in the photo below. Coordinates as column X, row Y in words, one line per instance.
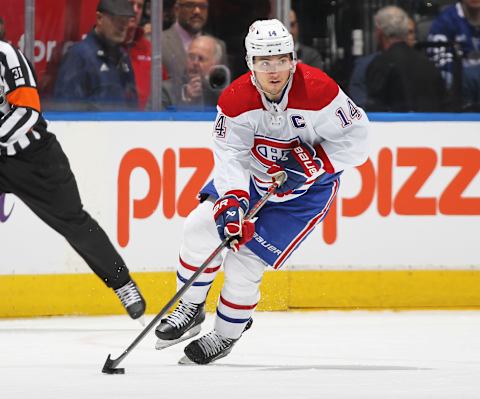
column 251, row 132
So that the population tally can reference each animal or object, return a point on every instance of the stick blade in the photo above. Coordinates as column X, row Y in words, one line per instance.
column 109, row 369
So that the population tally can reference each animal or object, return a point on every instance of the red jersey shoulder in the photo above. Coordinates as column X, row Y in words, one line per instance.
column 239, row 97
column 312, row 89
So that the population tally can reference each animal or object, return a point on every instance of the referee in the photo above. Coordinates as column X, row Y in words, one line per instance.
column 34, row 167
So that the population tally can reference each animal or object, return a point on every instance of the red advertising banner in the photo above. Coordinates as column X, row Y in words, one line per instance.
column 58, row 23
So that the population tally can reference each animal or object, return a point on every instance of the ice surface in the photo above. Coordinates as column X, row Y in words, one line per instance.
column 388, row 355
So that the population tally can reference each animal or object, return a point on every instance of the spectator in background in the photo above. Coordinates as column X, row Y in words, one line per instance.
column 411, row 34
column 146, row 20
column 168, row 16
column 401, row 79
column 168, row 13
column 96, row 73
column 191, row 17
column 306, row 54
column 147, row 31
column 205, row 76
column 140, row 52
column 459, row 23
column 357, row 87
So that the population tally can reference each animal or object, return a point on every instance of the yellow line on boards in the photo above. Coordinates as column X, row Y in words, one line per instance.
column 85, row 294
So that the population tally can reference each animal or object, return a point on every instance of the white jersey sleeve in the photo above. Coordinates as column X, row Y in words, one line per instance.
column 342, row 131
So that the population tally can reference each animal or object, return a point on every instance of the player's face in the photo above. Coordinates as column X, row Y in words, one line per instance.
column 272, row 73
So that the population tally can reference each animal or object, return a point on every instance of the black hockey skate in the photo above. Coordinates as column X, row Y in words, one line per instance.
column 132, row 300
column 183, row 323
column 209, row 348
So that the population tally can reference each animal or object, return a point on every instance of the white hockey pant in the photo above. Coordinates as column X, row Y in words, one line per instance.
column 243, row 273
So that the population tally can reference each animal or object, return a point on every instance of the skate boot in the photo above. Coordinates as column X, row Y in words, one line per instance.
column 183, row 323
column 210, row 347
column 207, row 349
column 132, row 300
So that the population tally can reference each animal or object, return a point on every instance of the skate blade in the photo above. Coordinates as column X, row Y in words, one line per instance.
column 185, row 361
column 162, row 343
column 141, row 320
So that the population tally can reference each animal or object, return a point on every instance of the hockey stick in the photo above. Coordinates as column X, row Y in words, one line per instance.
column 110, row 366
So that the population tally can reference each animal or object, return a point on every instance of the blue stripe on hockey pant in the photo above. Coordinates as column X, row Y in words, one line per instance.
column 196, row 283
column 282, row 226
column 230, row 319
column 240, row 292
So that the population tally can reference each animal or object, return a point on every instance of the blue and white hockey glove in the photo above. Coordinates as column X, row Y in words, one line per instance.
column 300, row 165
column 229, row 212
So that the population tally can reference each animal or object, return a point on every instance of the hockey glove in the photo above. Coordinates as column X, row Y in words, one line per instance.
column 300, row 165
column 229, row 212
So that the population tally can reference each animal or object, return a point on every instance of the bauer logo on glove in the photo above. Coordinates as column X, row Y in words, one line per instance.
column 305, row 160
column 300, row 165
column 229, row 212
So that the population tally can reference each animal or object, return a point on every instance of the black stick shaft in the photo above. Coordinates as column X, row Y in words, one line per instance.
column 251, row 214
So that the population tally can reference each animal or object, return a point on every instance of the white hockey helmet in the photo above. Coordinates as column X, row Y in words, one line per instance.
column 268, row 37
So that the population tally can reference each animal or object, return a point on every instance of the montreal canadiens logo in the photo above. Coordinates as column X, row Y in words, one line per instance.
column 267, row 151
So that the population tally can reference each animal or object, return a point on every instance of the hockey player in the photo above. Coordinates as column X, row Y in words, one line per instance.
column 34, row 167
column 278, row 118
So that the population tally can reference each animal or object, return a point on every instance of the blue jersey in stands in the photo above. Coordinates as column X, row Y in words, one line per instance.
column 452, row 26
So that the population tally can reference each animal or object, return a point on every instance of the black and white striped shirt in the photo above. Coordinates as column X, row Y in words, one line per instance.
column 21, row 119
